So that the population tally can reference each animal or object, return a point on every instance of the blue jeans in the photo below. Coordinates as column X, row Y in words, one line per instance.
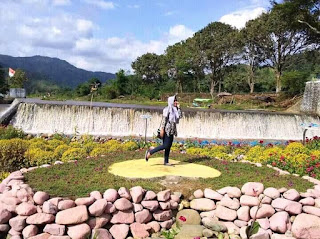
column 167, row 143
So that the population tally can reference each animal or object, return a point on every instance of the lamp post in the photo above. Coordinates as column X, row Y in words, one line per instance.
column 146, row 117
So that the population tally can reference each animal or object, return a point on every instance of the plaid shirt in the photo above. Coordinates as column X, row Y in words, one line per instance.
column 170, row 127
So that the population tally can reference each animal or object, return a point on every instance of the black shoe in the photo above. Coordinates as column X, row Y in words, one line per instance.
column 146, row 155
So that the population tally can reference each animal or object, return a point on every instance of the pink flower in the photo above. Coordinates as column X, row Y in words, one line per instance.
column 182, row 218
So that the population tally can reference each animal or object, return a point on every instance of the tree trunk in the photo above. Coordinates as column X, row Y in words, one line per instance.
column 212, row 86
column 278, row 82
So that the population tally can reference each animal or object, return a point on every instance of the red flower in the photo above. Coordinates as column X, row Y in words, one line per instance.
column 261, row 141
column 273, row 164
column 182, row 218
column 282, row 157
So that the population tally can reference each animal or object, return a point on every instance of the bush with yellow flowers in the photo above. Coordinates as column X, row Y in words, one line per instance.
column 255, row 154
column 73, row 154
column 60, row 150
column 130, row 145
column 37, row 157
column 3, row 175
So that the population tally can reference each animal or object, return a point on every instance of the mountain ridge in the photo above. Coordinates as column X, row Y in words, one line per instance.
column 52, row 69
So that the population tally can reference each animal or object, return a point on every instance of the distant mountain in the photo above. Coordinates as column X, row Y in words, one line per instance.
column 57, row 71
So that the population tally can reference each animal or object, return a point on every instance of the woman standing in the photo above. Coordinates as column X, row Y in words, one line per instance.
column 171, row 116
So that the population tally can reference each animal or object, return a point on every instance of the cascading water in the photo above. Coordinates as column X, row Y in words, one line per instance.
column 36, row 117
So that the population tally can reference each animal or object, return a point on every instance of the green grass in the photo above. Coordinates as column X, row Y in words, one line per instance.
column 87, row 175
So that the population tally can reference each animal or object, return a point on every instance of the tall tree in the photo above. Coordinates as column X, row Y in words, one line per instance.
column 148, row 67
column 253, row 53
column 3, row 82
column 121, row 82
column 218, row 45
column 283, row 37
column 18, row 79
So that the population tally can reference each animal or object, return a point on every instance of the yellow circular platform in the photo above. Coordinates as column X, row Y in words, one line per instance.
column 139, row 168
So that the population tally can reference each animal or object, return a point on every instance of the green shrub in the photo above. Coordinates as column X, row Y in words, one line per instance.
column 73, row 154
column 89, row 146
column 41, row 145
column 195, row 151
column 255, row 154
column 60, row 150
column 130, row 145
column 98, row 151
column 37, row 157
column 12, row 154
column 271, row 154
column 295, row 148
column 54, row 143
column 3, row 175
column 10, row 132
column 75, row 145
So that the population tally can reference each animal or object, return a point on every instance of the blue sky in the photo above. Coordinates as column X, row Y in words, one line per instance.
column 106, row 35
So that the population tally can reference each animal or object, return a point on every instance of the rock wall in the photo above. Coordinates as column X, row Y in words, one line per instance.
column 311, row 98
column 138, row 213
column 135, row 212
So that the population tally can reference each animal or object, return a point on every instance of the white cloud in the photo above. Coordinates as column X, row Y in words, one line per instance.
column 239, row 18
column 54, row 33
column 178, row 33
column 101, row 4
column 170, row 13
column 61, row 2
column 136, row 6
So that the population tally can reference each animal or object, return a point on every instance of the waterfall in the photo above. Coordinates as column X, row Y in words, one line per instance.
column 311, row 98
column 103, row 119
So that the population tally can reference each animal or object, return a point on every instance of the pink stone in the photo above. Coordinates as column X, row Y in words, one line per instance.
column 101, row 233
column 151, row 205
column 265, row 210
column 173, row 204
column 240, row 223
column 139, row 230
column 49, row 208
column 59, row 237
column 40, row 197
column 232, row 228
column 306, row 226
column 137, row 207
column 175, row 198
column 41, row 236
column 279, row 221
column 23, row 195
column 30, row 231
column 234, row 192
column 4, row 228
column 308, row 201
column 123, row 204
column 98, row 207
column 110, row 208
column 225, row 213
column 10, row 208
column 264, row 223
column 26, row 209
column 226, row 201
column 87, row 201
column 224, row 190
column 96, row 195
column 271, row 193
column 40, row 218
column 284, row 204
column 266, row 200
column 13, row 232
column 137, row 193
column 55, row 201
column 198, row 193
column 66, row 204
column 99, row 222
column 119, row 231
column 211, row 194
column 252, row 189
column 5, row 215
column 165, row 205
column 124, row 193
column 292, row 195
column 73, row 215
column 111, row 195
column 143, row 217
column 250, row 201
column 164, row 195
column 18, row 223
column 122, row 217
column 166, row 224
column 11, row 200
column 150, row 195
column 243, row 213
column 162, row 216
column 202, row 204
column 79, row 231
column 155, row 226
column 55, row 229
column 311, row 210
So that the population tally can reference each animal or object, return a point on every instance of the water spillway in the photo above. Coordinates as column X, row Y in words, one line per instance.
column 73, row 117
